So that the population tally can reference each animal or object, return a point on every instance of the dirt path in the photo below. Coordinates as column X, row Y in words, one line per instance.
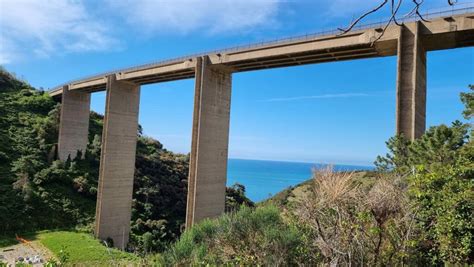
column 25, row 250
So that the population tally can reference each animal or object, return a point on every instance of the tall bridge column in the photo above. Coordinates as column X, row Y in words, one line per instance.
column 74, row 123
column 210, row 140
column 411, row 82
column 117, row 162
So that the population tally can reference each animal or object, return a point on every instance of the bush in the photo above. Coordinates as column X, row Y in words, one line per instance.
column 348, row 224
column 247, row 237
column 441, row 188
column 444, row 197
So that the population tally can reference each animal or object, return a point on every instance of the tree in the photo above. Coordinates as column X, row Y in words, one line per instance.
column 441, row 188
column 468, row 100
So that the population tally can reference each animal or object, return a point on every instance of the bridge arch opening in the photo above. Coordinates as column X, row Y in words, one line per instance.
column 335, row 113
column 449, row 73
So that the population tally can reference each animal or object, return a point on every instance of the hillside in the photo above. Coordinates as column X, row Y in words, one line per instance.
column 288, row 198
column 416, row 209
column 39, row 192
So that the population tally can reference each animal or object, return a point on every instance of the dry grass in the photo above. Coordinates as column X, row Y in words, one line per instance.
column 354, row 225
column 333, row 188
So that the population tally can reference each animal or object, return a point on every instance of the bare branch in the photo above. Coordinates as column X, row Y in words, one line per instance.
column 395, row 11
column 394, row 8
column 362, row 17
column 392, row 18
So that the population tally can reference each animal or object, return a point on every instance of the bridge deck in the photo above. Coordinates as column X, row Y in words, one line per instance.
column 445, row 30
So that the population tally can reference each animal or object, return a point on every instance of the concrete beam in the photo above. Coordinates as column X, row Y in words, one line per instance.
column 56, row 91
column 210, row 140
column 411, row 82
column 177, row 67
column 97, row 82
column 289, row 48
column 74, row 123
column 117, row 162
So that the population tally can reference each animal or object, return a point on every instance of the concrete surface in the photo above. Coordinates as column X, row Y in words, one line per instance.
column 74, row 123
column 411, row 83
column 117, row 162
column 208, row 168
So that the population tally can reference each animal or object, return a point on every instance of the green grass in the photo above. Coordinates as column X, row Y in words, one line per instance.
column 6, row 241
column 80, row 247
column 83, row 248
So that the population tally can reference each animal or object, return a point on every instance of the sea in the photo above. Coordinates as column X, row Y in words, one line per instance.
column 263, row 178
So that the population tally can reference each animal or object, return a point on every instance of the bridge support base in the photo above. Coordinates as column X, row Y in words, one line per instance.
column 117, row 162
column 210, row 140
column 74, row 123
column 411, row 82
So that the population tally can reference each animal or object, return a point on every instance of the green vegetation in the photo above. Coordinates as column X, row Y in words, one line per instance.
column 441, row 187
column 247, row 237
column 336, row 218
column 6, row 241
column 82, row 248
column 416, row 209
column 39, row 192
column 74, row 247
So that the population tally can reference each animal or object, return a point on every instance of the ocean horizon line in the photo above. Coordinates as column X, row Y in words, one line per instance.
column 305, row 162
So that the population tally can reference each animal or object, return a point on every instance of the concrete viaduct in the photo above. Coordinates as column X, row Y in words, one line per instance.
column 213, row 82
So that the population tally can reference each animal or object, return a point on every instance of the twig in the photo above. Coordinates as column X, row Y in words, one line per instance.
column 348, row 29
column 394, row 8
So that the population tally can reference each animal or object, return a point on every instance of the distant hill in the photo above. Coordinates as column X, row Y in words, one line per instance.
column 286, row 199
column 8, row 82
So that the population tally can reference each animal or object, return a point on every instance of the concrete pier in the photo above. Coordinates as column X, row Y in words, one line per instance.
column 117, row 162
column 74, row 123
column 411, row 82
column 210, row 139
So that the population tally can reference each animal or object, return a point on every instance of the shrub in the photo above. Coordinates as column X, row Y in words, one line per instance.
column 441, row 188
column 444, row 197
column 348, row 224
column 235, row 197
column 247, row 237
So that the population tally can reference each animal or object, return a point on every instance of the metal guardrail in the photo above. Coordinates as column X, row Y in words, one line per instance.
column 437, row 13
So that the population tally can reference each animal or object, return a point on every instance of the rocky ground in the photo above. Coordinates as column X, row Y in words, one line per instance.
column 29, row 252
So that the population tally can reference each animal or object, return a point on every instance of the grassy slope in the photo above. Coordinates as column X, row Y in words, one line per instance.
column 81, row 248
column 290, row 196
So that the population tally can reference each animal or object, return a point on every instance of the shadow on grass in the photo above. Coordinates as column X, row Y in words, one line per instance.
column 11, row 239
column 6, row 241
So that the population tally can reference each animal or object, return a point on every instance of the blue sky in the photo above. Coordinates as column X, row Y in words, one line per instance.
column 331, row 113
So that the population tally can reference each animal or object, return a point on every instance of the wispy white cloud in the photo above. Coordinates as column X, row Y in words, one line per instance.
column 184, row 16
column 41, row 28
column 325, row 96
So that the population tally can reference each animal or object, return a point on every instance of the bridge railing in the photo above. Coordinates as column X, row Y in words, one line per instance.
column 458, row 9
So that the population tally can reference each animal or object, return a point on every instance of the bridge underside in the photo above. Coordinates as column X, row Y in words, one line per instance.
column 307, row 57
